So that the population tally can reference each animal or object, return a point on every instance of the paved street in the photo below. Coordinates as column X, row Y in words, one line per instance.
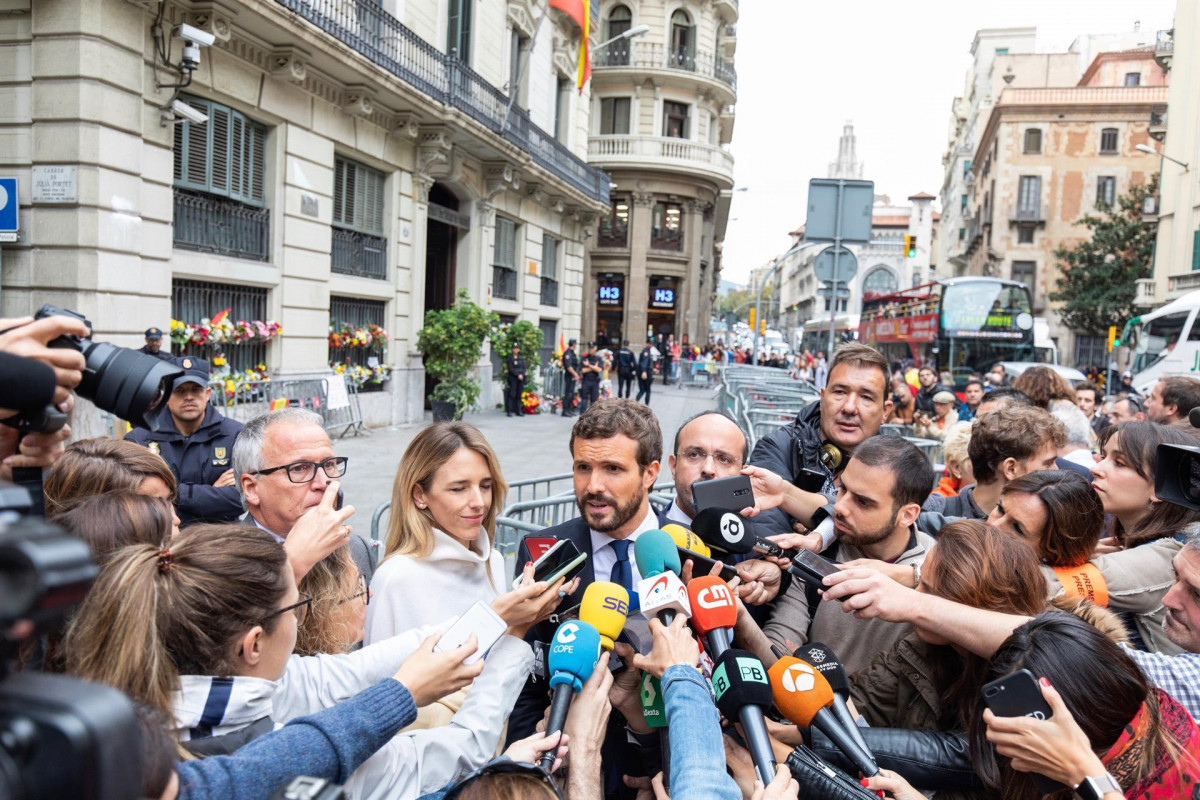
column 528, row 447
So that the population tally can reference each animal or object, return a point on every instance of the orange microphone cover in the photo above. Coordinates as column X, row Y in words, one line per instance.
column 799, row 690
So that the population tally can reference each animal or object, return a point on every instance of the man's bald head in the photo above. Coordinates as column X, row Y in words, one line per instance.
column 708, row 445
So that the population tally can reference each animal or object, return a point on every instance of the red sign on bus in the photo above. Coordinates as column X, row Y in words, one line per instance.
column 920, row 328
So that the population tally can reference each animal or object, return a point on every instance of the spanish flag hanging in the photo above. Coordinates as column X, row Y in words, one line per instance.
column 580, row 11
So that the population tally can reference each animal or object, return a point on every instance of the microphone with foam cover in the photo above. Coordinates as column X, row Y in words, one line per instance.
column 690, row 546
column 605, row 606
column 742, row 690
column 573, row 655
column 660, row 593
column 714, row 612
column 1194, row 417
column 826, row 663
column 27, row 384
column 803, row 696
column 727, row 530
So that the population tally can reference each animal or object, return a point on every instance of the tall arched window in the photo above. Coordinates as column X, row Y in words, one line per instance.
column 683, row 41
column 620, row 19
column 879, row 281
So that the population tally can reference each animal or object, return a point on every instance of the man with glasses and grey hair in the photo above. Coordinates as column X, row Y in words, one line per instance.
column 1126, row 409
column 288, row 477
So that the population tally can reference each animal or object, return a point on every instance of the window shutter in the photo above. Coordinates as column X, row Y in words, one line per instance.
column 258, row 166
column 218, row 121
column 1196, row 251
column 505, row 243
column 350, row 200
column 238, row 160
column 549, row 257
column 339, row 191
column 193, row 150
column 373, row 208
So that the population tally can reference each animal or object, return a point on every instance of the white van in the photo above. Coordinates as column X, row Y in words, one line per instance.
column 1164, row 342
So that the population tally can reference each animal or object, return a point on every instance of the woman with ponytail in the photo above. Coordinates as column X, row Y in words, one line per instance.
column 203, row 631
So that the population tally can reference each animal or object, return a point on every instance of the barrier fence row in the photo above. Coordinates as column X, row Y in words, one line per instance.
column 334, row 397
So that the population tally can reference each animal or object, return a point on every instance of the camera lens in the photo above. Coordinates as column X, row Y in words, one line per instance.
column 127, row 383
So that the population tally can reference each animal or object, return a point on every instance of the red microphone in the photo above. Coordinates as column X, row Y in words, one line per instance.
column 714, row 612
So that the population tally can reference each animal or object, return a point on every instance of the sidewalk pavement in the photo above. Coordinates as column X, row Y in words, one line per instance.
column 528, row 447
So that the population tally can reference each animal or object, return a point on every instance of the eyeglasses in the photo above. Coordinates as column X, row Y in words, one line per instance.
column 363, row 592
column 695, row 457
column 300, row 608
column 305, row 471
column 504, row 766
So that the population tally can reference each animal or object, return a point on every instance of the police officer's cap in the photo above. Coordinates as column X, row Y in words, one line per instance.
column 572, row 342
column 153, row 333
column 195, row 370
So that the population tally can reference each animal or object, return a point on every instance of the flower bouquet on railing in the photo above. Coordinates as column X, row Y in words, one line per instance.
column 221, row 330
column 242, row 387
column 360, row 376
column 530, row 402
column 372, row 336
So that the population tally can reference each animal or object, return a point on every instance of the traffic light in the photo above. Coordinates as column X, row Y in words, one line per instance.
column 1113, row 341
column 752, row 313
column 910, row 246
column 762, row 328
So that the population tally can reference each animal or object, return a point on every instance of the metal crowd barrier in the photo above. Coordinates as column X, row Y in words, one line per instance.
column 250, row 399
column 705, row 374
column 553, row 383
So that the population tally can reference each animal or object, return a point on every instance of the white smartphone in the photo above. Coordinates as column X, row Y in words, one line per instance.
column 481, row 620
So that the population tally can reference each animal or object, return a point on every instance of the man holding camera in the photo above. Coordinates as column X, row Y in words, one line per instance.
column 196, row 441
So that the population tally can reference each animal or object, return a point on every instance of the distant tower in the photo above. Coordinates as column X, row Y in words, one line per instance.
column 847, row 165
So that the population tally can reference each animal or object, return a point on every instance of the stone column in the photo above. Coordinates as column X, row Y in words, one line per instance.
column 694, row 228
column 637, row 284
column 409, row 382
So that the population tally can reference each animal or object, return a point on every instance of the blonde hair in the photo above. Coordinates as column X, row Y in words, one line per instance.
column 95, row 466
column 326, row 583
column 410, row 529
column 954, row 446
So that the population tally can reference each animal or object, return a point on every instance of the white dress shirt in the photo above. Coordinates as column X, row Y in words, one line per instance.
column 675, row 513
column 604, row 558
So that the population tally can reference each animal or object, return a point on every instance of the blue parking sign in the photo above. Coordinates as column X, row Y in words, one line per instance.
column 8, row 205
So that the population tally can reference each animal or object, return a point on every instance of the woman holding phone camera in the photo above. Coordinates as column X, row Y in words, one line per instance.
column 440, row 560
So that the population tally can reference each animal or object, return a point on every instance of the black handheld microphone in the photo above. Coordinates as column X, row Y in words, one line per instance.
column 727, row 530
column 828, row 665
column 742, row 690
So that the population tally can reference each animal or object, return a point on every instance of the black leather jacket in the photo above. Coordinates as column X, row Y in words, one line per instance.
column 929, row 761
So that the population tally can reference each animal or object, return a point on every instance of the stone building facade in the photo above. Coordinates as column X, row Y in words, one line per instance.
column 346, row 162
column 662, row 113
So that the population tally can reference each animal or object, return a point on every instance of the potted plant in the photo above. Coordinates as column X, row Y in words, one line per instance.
column 451, row 342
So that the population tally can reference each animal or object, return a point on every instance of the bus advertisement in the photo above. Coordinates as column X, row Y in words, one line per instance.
column 960, row 325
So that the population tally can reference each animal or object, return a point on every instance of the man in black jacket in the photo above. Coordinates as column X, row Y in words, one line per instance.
column 570, row 362
column 929, row 387
column 196, row 441
column 853, row 404
column 514, row 381
column 626, row 364
column 645, row 373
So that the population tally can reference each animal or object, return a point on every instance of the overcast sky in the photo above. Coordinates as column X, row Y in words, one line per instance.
column 893, row 67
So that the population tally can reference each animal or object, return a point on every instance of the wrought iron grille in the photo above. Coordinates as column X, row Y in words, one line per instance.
column 549, row 292
column 504, row 283
column 193, row 301
column 358, row 253
column 213, row 224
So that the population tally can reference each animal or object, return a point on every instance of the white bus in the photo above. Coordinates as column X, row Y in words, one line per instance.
column 1164, row 342
column 815, row 335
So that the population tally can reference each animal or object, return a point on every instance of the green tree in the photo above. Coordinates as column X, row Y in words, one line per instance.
column 1098, row 275
column 525, row 334
column 452, row 342
column 740, row 301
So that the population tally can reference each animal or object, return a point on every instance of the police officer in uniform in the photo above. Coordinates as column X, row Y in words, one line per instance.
column 153, row 346
column 593, row 365
column 645, row 373
column 196, row 441
column 514, row 381
column 626, row 365
column 570, row 361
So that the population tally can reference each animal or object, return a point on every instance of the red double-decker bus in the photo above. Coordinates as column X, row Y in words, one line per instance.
column 963, row 325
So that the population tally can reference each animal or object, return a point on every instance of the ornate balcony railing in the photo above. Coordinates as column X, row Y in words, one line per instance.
column 504, row 283
column 1027, row 213
column 364, row 26
column 358, row 253
column 549, row 292
column 212, row 224
column 653, row 55
column 661, row 151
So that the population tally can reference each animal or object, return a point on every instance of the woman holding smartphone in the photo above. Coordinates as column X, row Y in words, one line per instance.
column 440, row 561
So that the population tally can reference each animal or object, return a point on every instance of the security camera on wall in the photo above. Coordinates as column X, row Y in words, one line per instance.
column 193, row 40
column 184, row 111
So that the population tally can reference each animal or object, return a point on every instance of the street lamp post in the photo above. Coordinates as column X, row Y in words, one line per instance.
column 1145, row 148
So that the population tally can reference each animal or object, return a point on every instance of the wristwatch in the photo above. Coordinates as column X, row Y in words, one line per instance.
column 1096, row 788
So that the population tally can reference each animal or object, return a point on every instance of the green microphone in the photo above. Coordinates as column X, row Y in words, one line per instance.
column 655, row 712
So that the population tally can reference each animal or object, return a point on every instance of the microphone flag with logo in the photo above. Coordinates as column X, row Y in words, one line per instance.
column 828, row 665
column 573, row 655
column 803, row 696
column 605, row 605
column 661, row 594
column 727, row 530
column 714, row 611
column 742, row 691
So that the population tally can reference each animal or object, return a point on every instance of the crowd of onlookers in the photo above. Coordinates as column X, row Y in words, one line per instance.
column 283, row 643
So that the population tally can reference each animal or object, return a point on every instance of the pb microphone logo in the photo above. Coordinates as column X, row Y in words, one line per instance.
column 799, row 678
column 732, row 529
column 714, row 597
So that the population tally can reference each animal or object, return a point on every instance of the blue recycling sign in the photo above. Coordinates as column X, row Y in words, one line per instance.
column 8, row 205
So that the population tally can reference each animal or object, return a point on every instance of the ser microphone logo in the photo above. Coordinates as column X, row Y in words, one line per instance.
column 616, row 604
column 799, row 678
column 715, row 597
column 732, row 529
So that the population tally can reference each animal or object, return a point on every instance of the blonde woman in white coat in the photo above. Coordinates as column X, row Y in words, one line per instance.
column 440, row 560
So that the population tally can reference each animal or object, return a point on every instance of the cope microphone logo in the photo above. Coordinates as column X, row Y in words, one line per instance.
column 732, row 529
column 565, row 638
column 799, row 678
column 714, row 597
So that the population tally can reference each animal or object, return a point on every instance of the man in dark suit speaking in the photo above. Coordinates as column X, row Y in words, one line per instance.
column 616, row 449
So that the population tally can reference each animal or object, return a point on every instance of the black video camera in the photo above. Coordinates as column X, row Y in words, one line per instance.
column 1177, row 475
column 132, row 385
column 59, row 737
